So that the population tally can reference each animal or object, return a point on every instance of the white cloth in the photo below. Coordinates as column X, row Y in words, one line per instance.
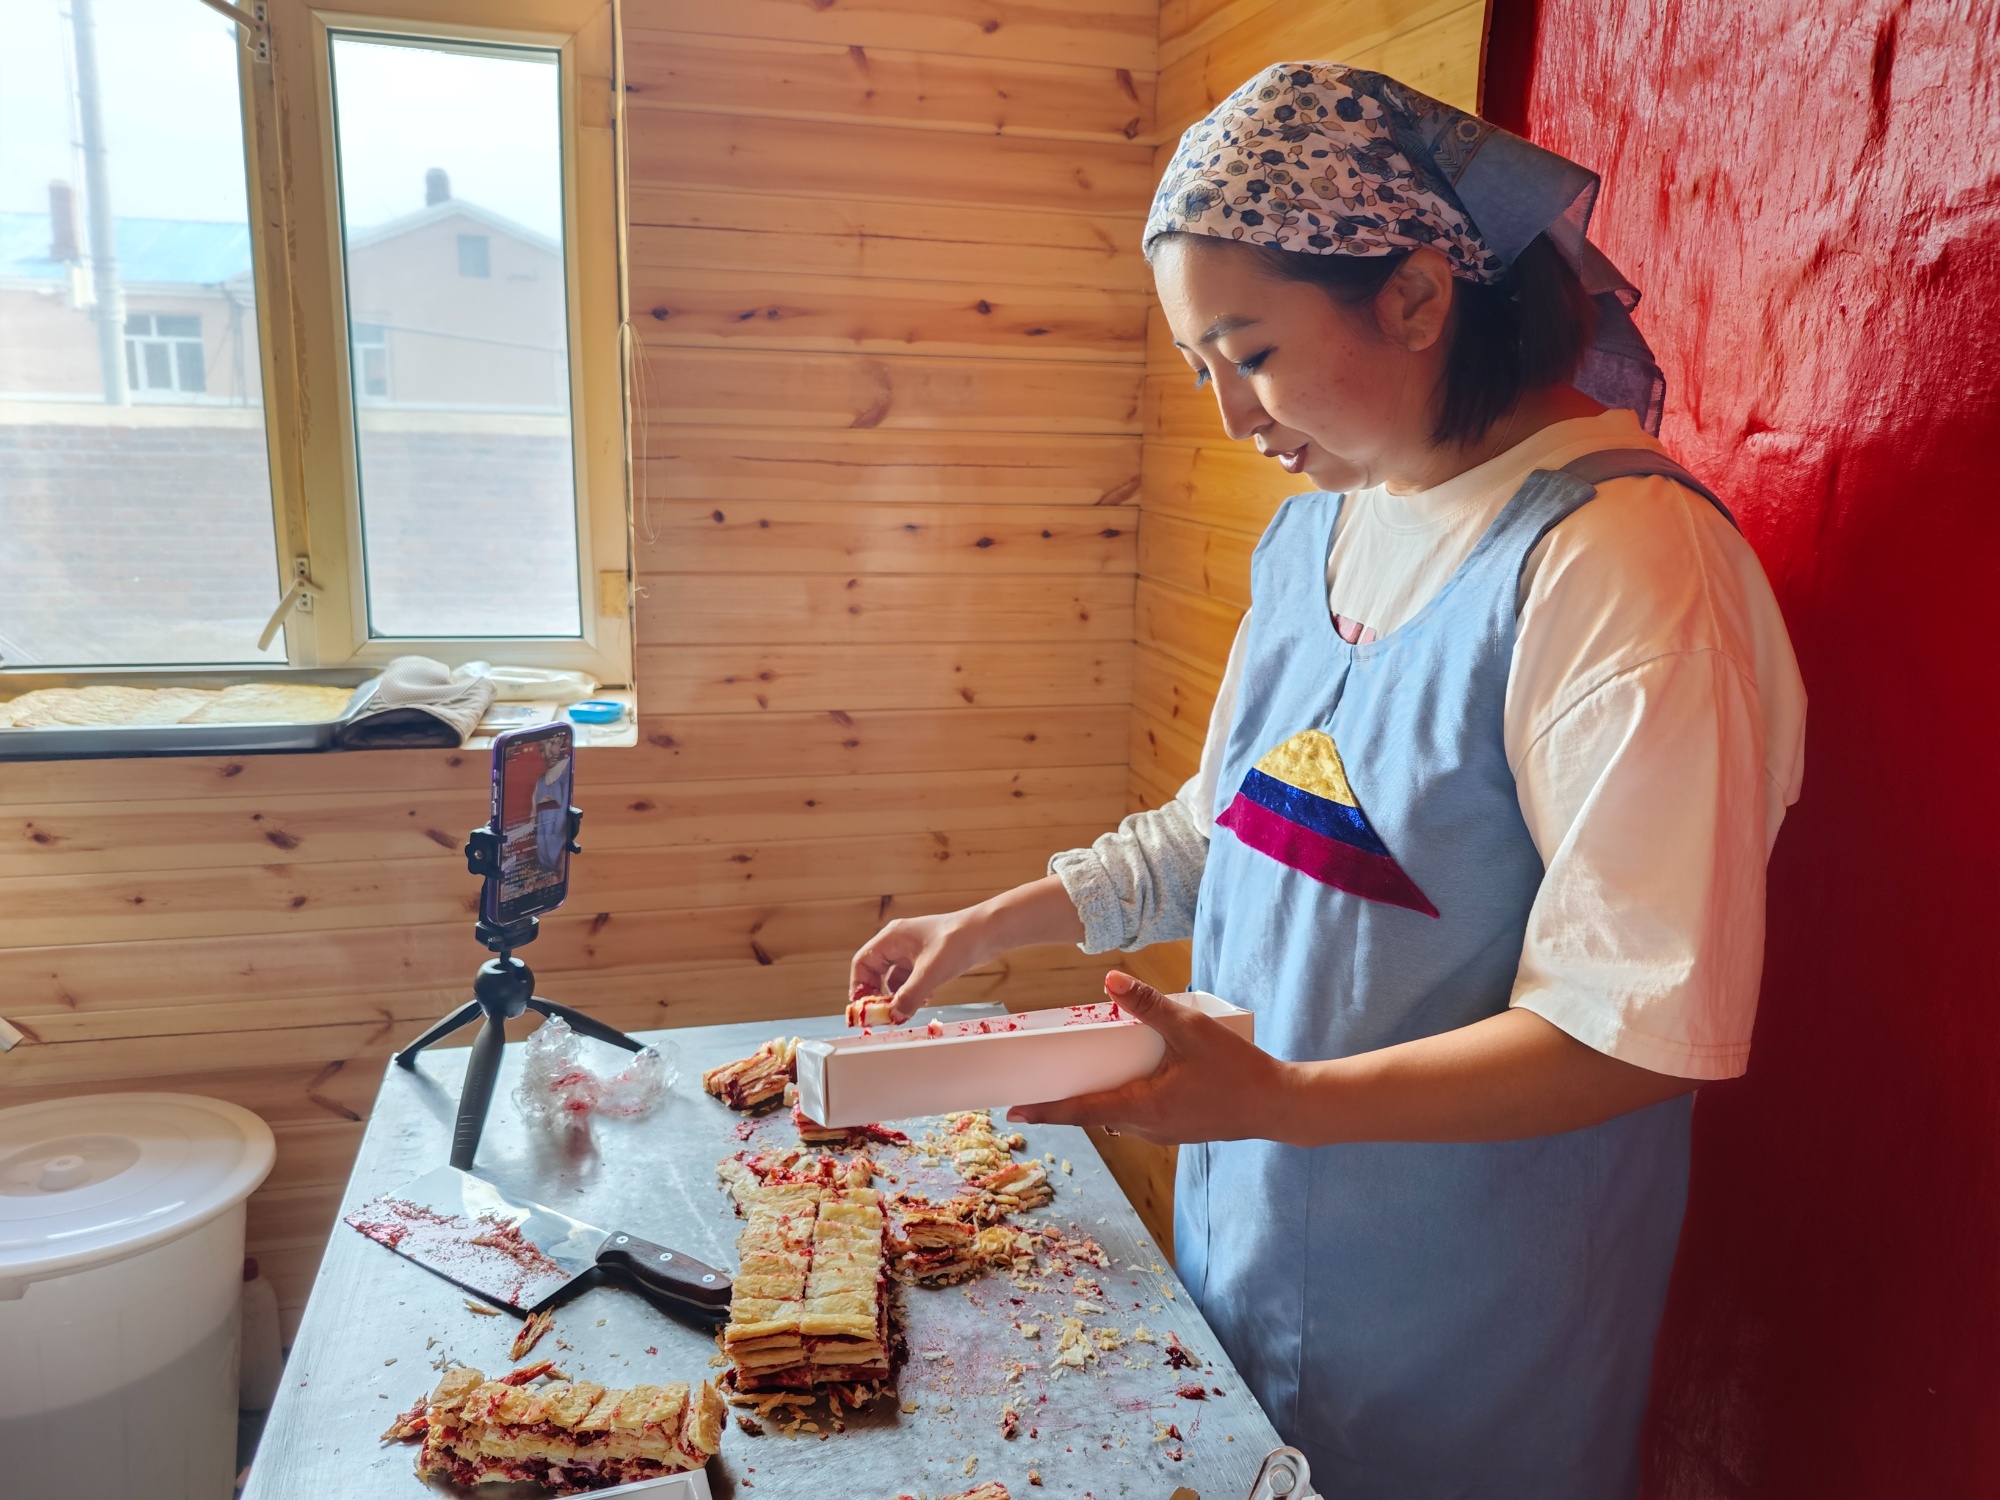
column 1650, row 652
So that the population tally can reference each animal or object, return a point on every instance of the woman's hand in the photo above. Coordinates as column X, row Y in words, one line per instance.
column 1211, row 1085
column 912, row 956
column 1505, row 1078
column 915, row 955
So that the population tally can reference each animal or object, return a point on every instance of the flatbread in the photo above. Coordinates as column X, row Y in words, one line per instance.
column 117, row 706
column 273, row 703
column 106, row 705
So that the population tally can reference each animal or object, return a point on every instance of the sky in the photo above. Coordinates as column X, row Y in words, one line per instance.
column 174, row 130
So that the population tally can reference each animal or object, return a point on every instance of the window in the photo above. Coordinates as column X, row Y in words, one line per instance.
column 163, row 353
column 468, row 523
column 371, row 359
column 449, row 268
column 132, row 535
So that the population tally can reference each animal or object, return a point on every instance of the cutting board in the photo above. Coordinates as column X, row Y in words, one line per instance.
column 377, row 1327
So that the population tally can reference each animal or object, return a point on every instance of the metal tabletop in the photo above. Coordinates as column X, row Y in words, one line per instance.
column 378, row 1327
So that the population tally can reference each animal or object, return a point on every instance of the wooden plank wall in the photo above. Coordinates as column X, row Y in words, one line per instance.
column 892, row 323
column 1205, row 500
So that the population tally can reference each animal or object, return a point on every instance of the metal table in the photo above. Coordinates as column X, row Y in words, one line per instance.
column 377, row 1326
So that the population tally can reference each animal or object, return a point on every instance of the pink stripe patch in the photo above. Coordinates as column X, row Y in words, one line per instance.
column 1369, row 876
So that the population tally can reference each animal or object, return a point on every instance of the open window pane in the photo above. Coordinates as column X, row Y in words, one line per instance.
column 135, row 490
column 451, row 216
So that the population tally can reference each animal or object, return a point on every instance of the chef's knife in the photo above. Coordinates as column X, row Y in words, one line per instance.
column 523, row 1255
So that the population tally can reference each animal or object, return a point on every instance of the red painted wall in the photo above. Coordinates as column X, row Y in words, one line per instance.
column 1809, row 192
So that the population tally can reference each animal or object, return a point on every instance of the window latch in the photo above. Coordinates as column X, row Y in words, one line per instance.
column 252, row 21
column 298, row 597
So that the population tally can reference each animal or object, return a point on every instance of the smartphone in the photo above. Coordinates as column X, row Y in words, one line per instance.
column 533, row 771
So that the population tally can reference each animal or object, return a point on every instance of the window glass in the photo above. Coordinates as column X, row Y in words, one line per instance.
column 135, row 496
column 475, row 255
column 450, row 175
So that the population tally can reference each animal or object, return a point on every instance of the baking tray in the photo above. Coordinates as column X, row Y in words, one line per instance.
column 121, row 740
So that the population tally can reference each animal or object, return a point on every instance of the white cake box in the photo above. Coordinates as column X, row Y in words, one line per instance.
column 991, row 1063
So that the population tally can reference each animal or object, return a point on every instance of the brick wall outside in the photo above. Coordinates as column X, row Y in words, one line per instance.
column 154, row 544
column 470, row 533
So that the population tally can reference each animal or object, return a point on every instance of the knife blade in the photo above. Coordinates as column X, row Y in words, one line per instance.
column 524, row 1255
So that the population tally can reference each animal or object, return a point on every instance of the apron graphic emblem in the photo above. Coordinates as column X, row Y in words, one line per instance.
column 1296, row 806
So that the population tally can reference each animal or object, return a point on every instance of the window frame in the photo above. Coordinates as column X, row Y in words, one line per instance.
column 304, row 318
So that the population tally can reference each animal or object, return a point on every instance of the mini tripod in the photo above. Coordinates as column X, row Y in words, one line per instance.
column 503, row 989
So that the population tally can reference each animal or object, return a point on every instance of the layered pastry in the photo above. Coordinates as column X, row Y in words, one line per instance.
column 985, row 1158
column 868, row 1010
column 840, row 1137
column 790, row 1166
column 938, row 1243
column 566, row 1436
column 810, row 1303
column 757, row 1080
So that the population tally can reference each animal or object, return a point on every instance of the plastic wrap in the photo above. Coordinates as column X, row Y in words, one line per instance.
column 557, row 1090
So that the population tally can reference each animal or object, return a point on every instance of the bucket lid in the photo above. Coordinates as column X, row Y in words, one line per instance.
column 100, row 1178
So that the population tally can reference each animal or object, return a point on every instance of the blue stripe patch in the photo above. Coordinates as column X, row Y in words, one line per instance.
column 1321, row 814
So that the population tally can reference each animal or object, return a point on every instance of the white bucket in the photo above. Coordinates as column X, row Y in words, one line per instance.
column 121, row 1263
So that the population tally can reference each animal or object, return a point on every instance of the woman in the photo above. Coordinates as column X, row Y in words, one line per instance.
column 1481, row 823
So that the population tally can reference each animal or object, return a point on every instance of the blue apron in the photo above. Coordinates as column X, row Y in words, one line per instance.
column 1421, row 1320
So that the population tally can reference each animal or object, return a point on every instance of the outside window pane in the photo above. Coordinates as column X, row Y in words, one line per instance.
column 475, row 255
column 135, row 495
column 450, row 161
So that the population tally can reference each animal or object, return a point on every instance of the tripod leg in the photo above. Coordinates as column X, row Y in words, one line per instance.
column 585, row 1025
column 480, row 1074
column 465, row 1015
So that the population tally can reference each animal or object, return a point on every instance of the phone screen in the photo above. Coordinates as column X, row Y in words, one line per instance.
column 532, row 772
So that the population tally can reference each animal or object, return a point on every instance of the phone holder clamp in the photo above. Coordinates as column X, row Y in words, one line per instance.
column 503, row 989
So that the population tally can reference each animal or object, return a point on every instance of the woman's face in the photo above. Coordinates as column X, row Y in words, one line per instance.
column 1344, row 395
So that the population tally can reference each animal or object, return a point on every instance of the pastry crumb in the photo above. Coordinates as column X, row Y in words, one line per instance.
column 531, row 1334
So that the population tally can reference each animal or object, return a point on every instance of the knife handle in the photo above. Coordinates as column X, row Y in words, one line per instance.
column 668, row 1273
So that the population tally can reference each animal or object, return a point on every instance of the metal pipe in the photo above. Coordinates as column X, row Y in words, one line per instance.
column 110, row 312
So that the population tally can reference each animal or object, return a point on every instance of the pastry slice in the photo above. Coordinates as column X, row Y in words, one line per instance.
column 565, row 1436
column 758, row 1080
column 868, row 1010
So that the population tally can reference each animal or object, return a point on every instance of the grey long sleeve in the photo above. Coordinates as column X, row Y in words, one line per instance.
column 1137, row 884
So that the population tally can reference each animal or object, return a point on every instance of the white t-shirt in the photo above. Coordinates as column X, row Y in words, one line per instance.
column 1654, row 722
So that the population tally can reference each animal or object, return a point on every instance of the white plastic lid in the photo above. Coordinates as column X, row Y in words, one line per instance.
column 96, row 1179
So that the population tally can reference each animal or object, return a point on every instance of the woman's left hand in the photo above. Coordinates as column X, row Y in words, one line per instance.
column 1211, row 1085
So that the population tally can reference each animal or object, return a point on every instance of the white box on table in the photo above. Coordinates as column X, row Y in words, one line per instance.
column 991, row 1063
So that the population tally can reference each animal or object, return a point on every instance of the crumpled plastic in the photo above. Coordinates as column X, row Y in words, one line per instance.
column 557, row 1090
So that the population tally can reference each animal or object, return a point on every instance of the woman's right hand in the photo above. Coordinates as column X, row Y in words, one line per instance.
column 913, row 956
column 910, row 958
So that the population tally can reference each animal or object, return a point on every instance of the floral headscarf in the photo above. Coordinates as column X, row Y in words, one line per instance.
column 1324, row 159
